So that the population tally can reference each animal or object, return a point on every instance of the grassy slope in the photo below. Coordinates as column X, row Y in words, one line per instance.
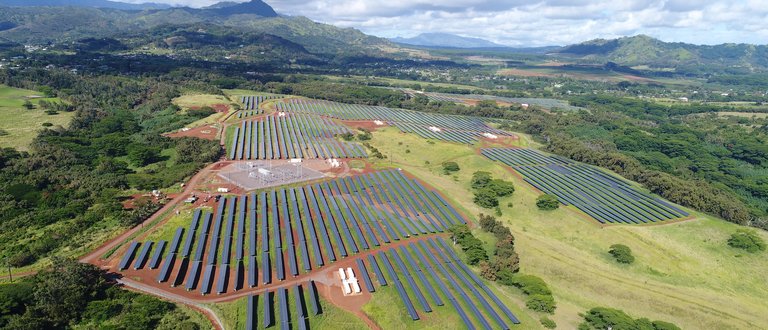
column 21, row 124
column 684, row 273
column 200, row 100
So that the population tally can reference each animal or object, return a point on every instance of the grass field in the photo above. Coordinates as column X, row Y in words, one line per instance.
column 684, row 272
column 20, row 124
column 200, row 100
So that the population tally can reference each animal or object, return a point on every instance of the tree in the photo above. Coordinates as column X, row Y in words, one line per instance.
column 142, row 155
column 547, row 202
column 501, row 188
column 480, row 179
column 28, row 105
column 486, row 198
column 747, row 240
column 450, row 167
column 622, row 253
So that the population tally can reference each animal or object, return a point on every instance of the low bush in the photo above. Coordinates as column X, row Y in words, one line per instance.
column 547, row 202
column 622, row 253
column 747, row 240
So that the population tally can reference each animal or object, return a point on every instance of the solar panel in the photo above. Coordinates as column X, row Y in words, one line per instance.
column 205, row 286
column 250, row 319
column 313, row 298
column 266, row 271
column 223, row 279
column 366, row 278
column 165, row 271
column 174, row 247
column 377, row 270
column 420, row 275
column 155, row 260
column 194, row 275
column 443, row 288
column 411, row 282
column 252, row 271
column 128, row 256
column 282, row 298
column 268, row 309
column 143, row 254
column 399, row 287
column 298, row 298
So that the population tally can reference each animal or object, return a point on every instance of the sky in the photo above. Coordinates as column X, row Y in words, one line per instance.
column 538, row 22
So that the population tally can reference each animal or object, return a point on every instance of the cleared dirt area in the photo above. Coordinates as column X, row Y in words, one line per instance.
column 208, row 132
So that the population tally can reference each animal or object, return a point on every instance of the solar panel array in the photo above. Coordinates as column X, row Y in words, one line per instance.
column 605, row 197
column 461, row 129
column 286, row 232
column 292, row 136
column 428, row 274
column 283, row 308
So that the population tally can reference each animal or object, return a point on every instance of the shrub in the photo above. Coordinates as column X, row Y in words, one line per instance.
column 547, row 202
column 747, row 240
column 202, row 112
column 531, row 285
column 547, row 322
column 47, row 124
column 541, row 303
column 450, row 167
column 622, row 253
column 486, row 198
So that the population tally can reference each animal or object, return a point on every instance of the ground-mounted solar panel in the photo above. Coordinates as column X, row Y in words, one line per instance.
column 128, row 256
column 399, row 286
column 300, row 309
column 431, row 273
column 279, row 265
column 376, row 270
column 364, row 273
column 314, row 302
column 463, row 295
column 154, row 262
column 223, row 279
column 250, row 318
column 479, row 283
column 165, row 270
column 252, row 271
column 465, row 280
column 269, row 309
column 420, row 275
column 194, row 275
column 266, row 270
column 282, row 298
column 239, row 281
column 205, row 285
column 174, row 247
column 411, row 281
column 143, row 255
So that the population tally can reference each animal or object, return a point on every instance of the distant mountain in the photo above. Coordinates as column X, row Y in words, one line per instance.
column 255, row 7
column 41, row 25
column 83, row 3
column 446, row 40
column 643, row 50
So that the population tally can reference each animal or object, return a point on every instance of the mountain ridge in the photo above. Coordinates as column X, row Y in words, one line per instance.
column 446, row 40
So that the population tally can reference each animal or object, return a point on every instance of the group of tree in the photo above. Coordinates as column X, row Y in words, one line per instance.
column 71, row 295
column 76, row 174
column 488, row 190
column 601, row 318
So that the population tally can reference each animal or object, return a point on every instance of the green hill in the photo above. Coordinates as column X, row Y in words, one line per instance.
column 643, row 50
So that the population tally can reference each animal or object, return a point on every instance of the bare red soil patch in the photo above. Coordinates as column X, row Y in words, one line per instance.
column 207, row 132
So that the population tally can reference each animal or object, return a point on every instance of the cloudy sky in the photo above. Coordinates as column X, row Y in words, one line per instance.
column 539, row 22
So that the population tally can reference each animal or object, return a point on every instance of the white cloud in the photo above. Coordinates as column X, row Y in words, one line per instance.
column 539, row 22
